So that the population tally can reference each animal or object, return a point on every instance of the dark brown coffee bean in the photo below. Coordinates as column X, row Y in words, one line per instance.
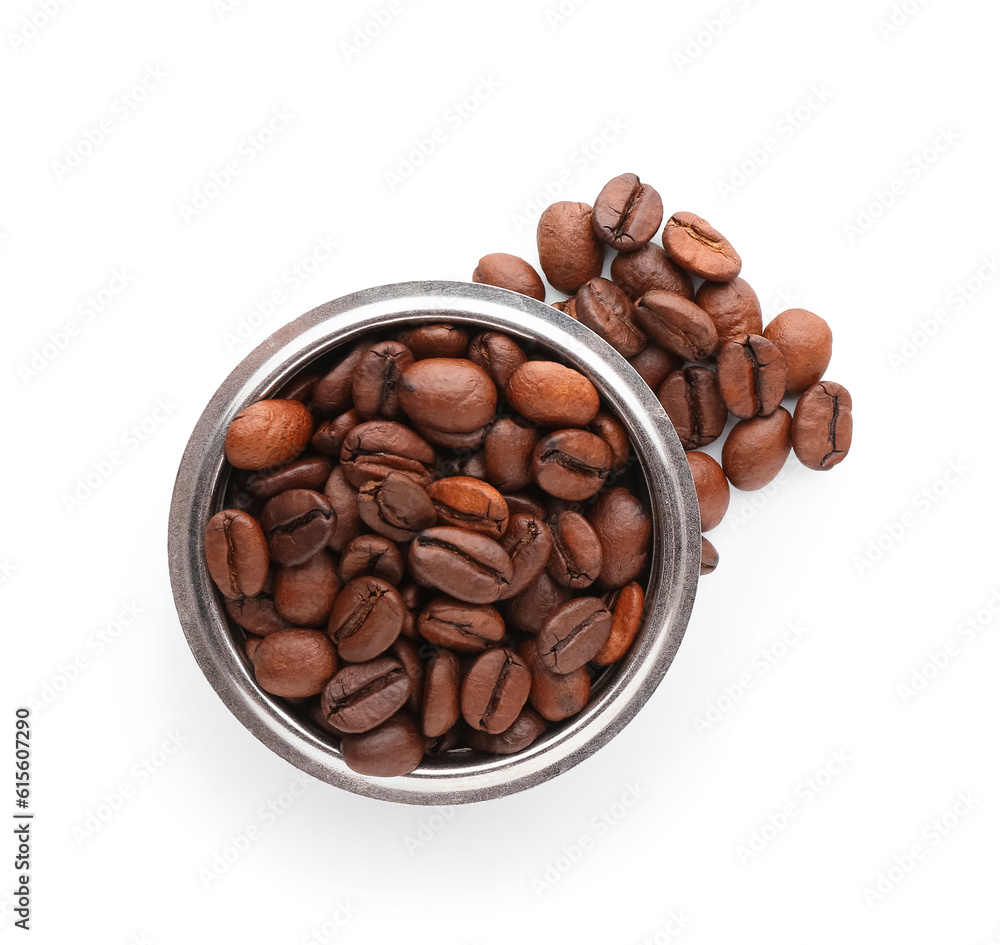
column 521, row 503
column 574, row 634
column 520, row 734
column 465, row 628
column 294, row 663
column 498, row 355
column 654, row 363
column 495, row 690
column 676, row 324
column 624, row 528
column 330, row 434
column 693, row 401
column 468, row 503
column 732, row 306
column 554, row 696
column 607, row 311
column 396, row 507
column 367, row 617
column 376, row 379
column 236, row 553
column 696, row 245
column 756, row 449
column 712, row 487
column 577, row 557
column 451, row 395
column 752, row 376
column 649, row 268
column 297, row 523
column 442, row 685
column 571, row 464
column 374, row 449
column 626, row 605
column 373, row 555
column 531, row 608
column 299, row 388
column 568, row 251
column 268, row 433
column 528, row 541
column 822, row 425
column 334, row 392
column 304, row 593
column 553, row 395
column 257, row 615
column 413, row 598
column 343, row 497
column 461, row 463
column 610, row 429
column 627, row 213
column 310, row 473
column 390, row 750
column 408, row 655
column 436, row 341
column 464, row 564
column 454, row 441
column 806, row 342
column 507, row 451
column 709, row 556
column 510, row 272
column 363, row 695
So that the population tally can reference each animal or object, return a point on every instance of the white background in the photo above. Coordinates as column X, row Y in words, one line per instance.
column 883, row 562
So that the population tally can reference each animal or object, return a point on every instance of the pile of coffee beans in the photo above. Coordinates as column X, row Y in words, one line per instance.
column 435, row 542
column 692, row 328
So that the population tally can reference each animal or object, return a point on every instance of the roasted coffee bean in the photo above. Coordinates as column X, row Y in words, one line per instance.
column 521, row 503
column 343, row 498
column 391, row 749
column 436, row 341
column 455, row 737
column 607, row 311
column 299, row 388
column 712, row 487
column 250, row 645
column 376, row 379
column 367, row 617
column 806, row 342
column 510, row 272
column 626, row 605
column 309, row 473
column 627, row 213
column 498, row 355
column 696, row 245
column 554, row 696
column 508, row 448
column 752, row 376
column 461, row 463
column 649, row 268
column 304, row 593
column 574, row 634
column 568, row 250
column 531, row 608
column 373, row 555
column 454, row 441
column 468, row 503
column 442, row 685
column 732, row 306
column 236, row 553
column 520, row 734
column 294, row 663
column 528, row 541
column 610, row 429
column 396, row 507
column 330, row 434
column 571, row 464
column 624, row 528
column 693, row 401
column 363, row 695
column 756, row 449
column 334, row 392
column 654, row 364
column 676, row 324
column 257, row 615
column 709, row 556
column 408, row 655
column 465, row 628
column 464, row 564
column 297, row 524
column 268, row 433
column 822, row 425
column 577, row 556
column 495, row 690
column 374, row 449
column 553, row 395
column 452, row 395
column 413, row 598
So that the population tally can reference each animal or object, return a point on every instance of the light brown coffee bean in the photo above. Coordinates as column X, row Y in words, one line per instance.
column 236, row 553
column 607, row 311
column 626, row 605
column 568, row 250
column 696, row 245
column 294, row 663
column 806, row 342
column 467, row 565
column 510, row 272
column 627, row 213
column 756, row 449
column 435, row 341
column 649, row 268
column 257, row 615
column 498, row 355
column 520, row 734
column 553, row 395
column 712, row 487
column 693, row 401
column 469, row 503
column 823, row 425
column 732, row 306
column 373, row 555
column 268, row 433
column 676, row 324
column 451, row 395
column 752, row 376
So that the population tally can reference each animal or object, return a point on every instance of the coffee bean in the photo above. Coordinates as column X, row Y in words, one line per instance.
column 627, row 213
column 553, row 395
column 508, row 447
column 257, row 615
column 694, row 404
column 409, row 657
column 236, row 553
column 374, row 449
column 752, row 376
column 806, row 342
column 309, row 473
column 297, row 524
column 520, row 734
column 465, row 628
column 498, row 355
column 330, row 434
column 654, row 364
column 367, row 617
column 624, row 529
column 250, row 645
column 510, row 272
column 696, row 245
column 521, row 503
column 299, row 388
column 334, row 392
column 571, row 464
column 649, row 268
column 712, row 487
column 461, row 463
column 528, row 541
column 304, row 593
column 440, row 710
column 568, row 250
column 464, row 564
column 343, row 498
column 574, row 634
column 389, row 750
column 577, row 556
column 413, row 598
column 363, row 695
column 607, row 311
column 610, row 429
column 452, row 395
column 468, row 503
column 376, row 379
column 756, row 449
column 732, row 306
column 435, row 341
column 626, row 606
column 554, row 696
column 676, row 324
column 709, row 556
column 822, row 425
column 294, row 663
column 495, row 690
column 268, row 433
column 454, row 441
column 396, row 507
column 373, row 555
column 529, row 610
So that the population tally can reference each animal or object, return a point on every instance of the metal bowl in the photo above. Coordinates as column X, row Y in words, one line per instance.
column 456, row 777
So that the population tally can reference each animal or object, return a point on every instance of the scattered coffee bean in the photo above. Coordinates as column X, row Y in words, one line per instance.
column 756, row 449
column 396, row 507
column 391, row 749
column 376, row 379
column 677, row 324
column 554, row 696
column 627, row 213
column 624, row 529
column 806, row 342
column 607, row 311
column 304, row 593
column 698, row 247
column 712, row 487
column 510, row 272
column 498, row 355
column 693, row 401
column 649, row 268
column 568, row 250
column 468, row 503
column 435, row 341
column 822, row 425
column 372, row 555
column 709, row 556
column 752, row 376
column 450, row 395
column 732, row 306
column 577, row 556
column 374, row 449
column 509, row 446
column 309, row 473
column 626, row 605
column 520, row 734
column 571, row 464
column 467, row 565
column 528, row 542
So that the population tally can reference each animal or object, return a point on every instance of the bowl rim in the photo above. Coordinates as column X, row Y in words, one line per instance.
column 675, row 558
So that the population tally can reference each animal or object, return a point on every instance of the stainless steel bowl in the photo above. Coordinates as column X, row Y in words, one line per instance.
column 457, row 777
